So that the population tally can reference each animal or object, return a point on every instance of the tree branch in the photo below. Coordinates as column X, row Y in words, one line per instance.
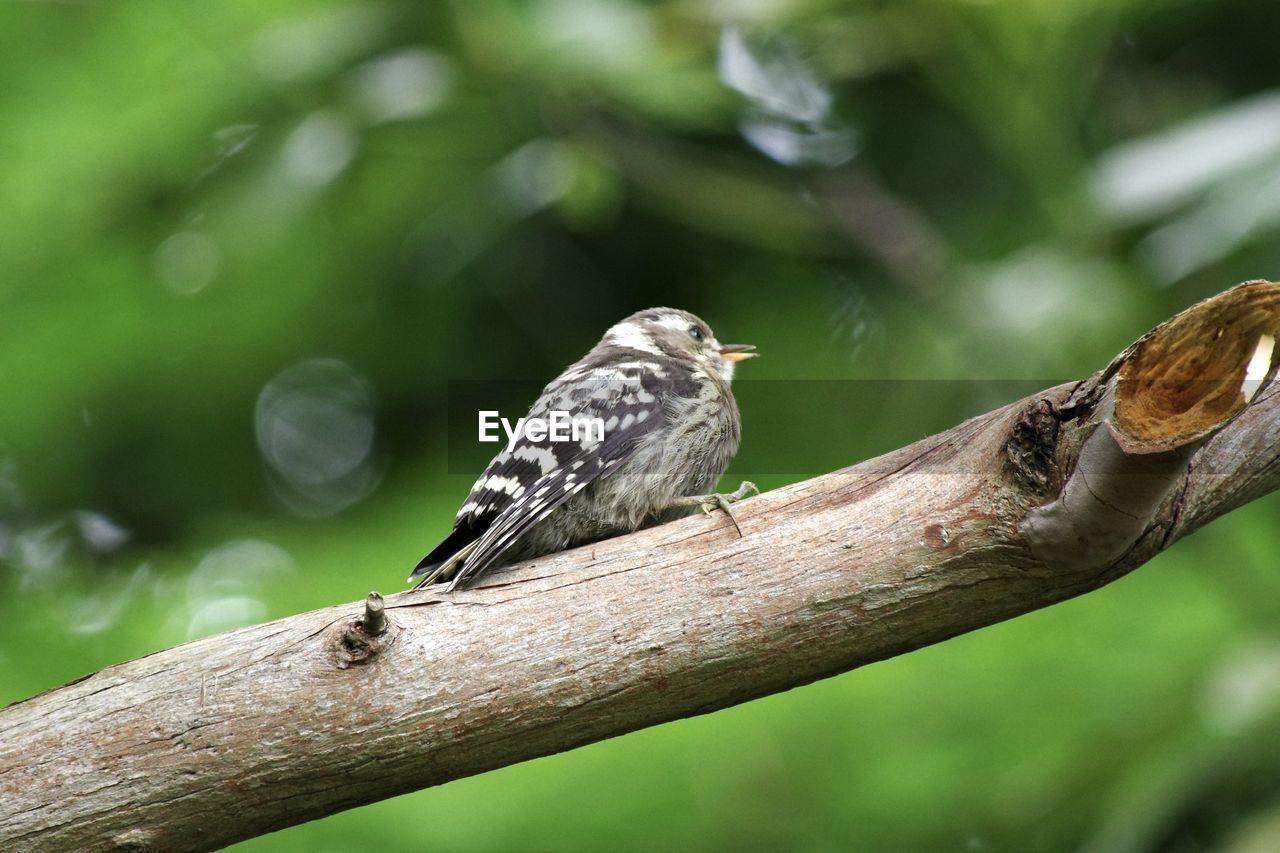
column 296, row 719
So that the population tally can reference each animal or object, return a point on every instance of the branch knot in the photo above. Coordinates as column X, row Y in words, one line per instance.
column 366, row 636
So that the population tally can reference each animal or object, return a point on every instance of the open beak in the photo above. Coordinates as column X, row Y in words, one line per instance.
column 738, row 352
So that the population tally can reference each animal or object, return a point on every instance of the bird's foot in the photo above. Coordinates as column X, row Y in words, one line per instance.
column 710, row 503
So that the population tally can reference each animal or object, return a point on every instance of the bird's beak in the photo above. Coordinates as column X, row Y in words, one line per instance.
column 738, row 352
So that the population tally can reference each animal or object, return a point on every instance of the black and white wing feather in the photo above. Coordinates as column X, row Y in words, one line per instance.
column 526, row 482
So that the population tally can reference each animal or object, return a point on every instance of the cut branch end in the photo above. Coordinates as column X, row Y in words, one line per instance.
column 1188, row 377
column 375, row 616
column 365, row 637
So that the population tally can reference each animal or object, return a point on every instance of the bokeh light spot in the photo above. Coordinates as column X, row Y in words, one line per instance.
column 315, row 429
column 186, row 262
column 319, row 149
column 402, row 85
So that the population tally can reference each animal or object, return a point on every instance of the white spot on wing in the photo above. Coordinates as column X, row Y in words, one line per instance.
column 498, row 483
column 544, row 456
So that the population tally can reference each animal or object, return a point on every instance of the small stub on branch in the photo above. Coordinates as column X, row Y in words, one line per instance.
column 366, row 636
column 1158, row 402
column 375, row 616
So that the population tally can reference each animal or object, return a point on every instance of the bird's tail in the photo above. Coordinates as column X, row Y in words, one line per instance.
column 443, row 561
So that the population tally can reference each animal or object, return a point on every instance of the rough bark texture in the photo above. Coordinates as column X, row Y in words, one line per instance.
column 289, row 721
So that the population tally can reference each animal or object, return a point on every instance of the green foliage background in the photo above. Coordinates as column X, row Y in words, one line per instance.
column 195, row 197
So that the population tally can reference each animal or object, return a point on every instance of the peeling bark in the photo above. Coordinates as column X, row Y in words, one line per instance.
column 296, row 719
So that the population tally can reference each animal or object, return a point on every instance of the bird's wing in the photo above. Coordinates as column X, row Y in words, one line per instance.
column 525, row 483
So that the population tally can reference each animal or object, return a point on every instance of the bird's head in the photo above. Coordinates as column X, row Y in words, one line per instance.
column 679, row 335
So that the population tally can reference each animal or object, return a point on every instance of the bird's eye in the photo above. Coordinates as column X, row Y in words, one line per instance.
column 695, row 333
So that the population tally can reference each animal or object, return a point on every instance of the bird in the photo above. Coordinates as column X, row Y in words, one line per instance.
column 659, row 382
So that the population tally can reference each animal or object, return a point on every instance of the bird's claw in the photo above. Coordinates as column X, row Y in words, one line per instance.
column 710, row 503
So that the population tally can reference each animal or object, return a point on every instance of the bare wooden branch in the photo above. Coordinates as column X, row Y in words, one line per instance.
column 289, row 721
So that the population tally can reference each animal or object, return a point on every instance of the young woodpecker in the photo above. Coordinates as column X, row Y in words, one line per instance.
column 659, row 381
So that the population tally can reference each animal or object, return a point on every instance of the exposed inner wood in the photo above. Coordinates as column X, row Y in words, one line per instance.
column 1185, row 378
